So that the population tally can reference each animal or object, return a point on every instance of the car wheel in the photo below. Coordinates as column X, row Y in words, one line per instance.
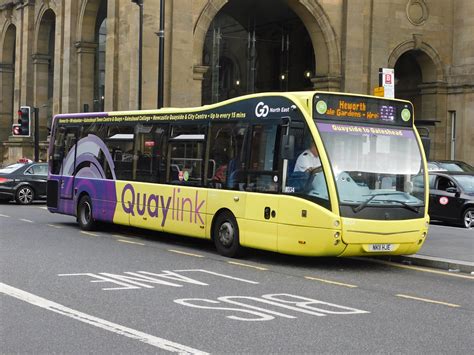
column 84, row 214
column 226, row 235
column 24, row 195
column 468, row 217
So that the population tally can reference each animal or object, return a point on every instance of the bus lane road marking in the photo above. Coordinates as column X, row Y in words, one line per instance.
column 97, row 322
column 428, row 300
column 247, row 311
column 26, row 220
column 144, row 279
column 4, row 215
column 330, row 282
column 238, row 307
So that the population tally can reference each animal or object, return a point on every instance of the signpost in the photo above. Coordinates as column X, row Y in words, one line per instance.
column 387, row 81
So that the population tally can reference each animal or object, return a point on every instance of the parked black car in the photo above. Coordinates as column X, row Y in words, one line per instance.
column 23, row 182
column 452, row 197
column 449, row 165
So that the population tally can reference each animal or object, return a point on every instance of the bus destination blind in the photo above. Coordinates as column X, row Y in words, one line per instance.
column 362, row 109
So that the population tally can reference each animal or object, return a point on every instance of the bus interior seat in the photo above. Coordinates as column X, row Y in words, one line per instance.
column 174, row 172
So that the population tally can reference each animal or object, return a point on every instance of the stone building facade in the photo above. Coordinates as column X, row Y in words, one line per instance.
column 82, row 55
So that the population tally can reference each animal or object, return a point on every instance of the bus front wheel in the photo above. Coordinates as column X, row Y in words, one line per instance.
column 226, row 235
column 84, row 214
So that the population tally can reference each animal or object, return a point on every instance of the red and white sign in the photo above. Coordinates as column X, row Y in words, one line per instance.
column 443, row 200
column 149, row 143
column 388, row 82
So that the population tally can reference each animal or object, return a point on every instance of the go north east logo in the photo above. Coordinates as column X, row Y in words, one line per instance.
column 159, row 206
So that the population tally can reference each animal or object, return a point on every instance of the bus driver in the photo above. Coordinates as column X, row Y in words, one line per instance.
column 308, row 161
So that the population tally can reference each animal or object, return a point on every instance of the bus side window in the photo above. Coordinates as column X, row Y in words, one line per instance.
column 225, row 154
column 311, row 185
column 185, row 154
column 263, row 169
column 149, row 153
column 119, row 142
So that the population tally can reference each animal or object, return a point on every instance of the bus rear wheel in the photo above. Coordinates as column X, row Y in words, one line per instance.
column 226, row 235
column 84, row 214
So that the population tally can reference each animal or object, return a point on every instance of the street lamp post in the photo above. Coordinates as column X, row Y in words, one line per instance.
column 161, row 55
column 140, row 48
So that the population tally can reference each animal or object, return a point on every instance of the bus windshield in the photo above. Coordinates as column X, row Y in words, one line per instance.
column 374, row 165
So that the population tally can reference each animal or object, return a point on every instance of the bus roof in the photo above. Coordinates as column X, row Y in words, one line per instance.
column 301, row 97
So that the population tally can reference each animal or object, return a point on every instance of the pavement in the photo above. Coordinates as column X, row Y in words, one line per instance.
column 446, row 247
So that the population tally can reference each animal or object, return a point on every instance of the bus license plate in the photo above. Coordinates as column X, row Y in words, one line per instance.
column 380, row 247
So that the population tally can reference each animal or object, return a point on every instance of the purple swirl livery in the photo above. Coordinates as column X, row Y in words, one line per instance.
column 85, row 174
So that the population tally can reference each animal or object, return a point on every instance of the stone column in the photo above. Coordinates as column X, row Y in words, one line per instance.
column 112, row 56
column 180, row 71
column 198, row 76
column 24, row 44
column 40, row 72
column 355, row 80
column 85, row 76
column 327, row 83
column 6, row 104
column 69, row 84
column 58, row 62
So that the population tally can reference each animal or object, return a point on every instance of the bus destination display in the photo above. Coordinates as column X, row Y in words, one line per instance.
column 362, row 109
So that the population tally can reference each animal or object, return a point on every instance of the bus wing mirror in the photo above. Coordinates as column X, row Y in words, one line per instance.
column 288, row 147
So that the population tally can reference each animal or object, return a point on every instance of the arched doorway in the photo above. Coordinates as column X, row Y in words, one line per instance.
column 7, row 80
column 254, row 47
column 417, row 80
column 43, row 61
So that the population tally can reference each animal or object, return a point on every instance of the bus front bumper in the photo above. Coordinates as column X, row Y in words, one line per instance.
column 366, row 238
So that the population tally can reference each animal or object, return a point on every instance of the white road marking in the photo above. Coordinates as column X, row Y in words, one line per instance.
column 90, row 234
column 97, row 322
column 330, row 282
column 185, row 253
column 429, row 301
column 4, row 215
column 54, row 226
column 247, row 265
column 129, row 241
column 417, row 268
column 220, row 275
column 26, row 220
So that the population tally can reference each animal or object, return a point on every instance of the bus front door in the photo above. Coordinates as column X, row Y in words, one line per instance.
column 260, row 227
column 66, row 183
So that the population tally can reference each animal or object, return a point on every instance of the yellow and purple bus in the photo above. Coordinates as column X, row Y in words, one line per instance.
column 228, row 172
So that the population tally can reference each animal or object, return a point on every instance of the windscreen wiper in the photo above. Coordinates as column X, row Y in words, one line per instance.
column 406, row 205
column 364, row 204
